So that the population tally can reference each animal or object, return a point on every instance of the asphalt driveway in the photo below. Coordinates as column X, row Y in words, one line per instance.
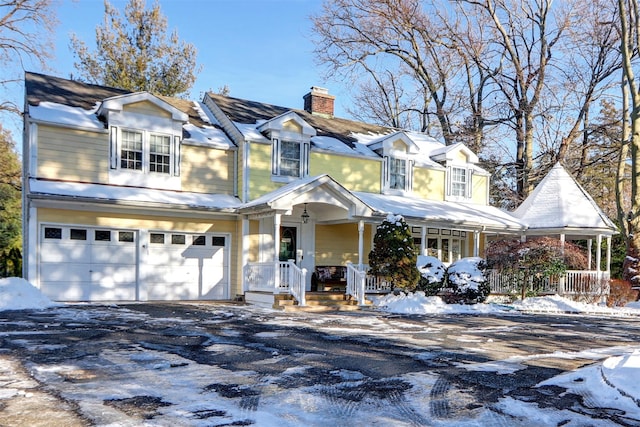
column 226, row 364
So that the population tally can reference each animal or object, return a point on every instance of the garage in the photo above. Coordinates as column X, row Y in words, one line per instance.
column 109, row 264
column 88, row 264
column 187, row 266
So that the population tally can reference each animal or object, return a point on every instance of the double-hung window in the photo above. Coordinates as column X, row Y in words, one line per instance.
column 146, row 152
column 131, row 151
column 397, row 174
column 159, row 154
column 290, row 159
column 459, row 182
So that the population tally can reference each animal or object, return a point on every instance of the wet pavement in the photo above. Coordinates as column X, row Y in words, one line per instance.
column 228, row 364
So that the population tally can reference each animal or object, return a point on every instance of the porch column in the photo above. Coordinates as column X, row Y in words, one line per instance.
column 245, row 251
column 589, row 258
column 599, row 253
column 277, row 221
column 360, row 244
column 561, row 279
column 608, row 253
column 476, row 243
column 423, row 239
column 276, row 250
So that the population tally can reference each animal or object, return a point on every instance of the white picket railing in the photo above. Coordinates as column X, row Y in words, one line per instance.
column 374, row 284
column 277, row 277
column 573, row 282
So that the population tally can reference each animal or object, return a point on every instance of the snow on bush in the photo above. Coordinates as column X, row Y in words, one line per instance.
column 393, row 257
column 432, row 274
column 467, row 282
column 18, row 294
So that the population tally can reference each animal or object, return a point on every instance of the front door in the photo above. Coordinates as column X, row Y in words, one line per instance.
column 288, row 243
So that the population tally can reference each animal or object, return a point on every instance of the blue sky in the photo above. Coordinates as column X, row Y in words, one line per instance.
column 261, row 49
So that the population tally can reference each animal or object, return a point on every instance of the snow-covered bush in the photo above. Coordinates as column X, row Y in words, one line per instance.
column 432, row 274
column 466, row 281
column 393, row 257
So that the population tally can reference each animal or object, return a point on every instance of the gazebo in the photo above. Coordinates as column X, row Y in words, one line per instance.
column 560, row 206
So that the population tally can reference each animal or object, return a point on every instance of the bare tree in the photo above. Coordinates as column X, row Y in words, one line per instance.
column 525, row 33
column 629, row 44
column 26, row 27
column 590, row 59
column 356, row 35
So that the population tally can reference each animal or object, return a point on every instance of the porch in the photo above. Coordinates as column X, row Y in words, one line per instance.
column 283, row 284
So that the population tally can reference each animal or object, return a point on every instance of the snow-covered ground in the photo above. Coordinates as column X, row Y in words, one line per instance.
column 611, row 383
column 418, row 303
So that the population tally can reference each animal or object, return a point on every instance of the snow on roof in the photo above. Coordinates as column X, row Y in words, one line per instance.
column 250, row 132
column 462, row 214
column 204, row 112
column 66, row 115
column 368, row 138
column 101, row 192
column 208, row 136
column 331, row 144
column 558, row 201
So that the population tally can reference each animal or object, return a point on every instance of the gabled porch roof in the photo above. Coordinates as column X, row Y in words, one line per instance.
column 321, row 189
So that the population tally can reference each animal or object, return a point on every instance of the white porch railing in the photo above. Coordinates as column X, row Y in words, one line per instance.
column 277, row 277
column 371, row 284
column 356, row 280
column 573, row 282
column 587, row 282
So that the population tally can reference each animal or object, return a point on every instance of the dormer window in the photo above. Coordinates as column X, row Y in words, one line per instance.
column 160, row 154
column 145, row 152
column 397, row 175
column 145, row 134
column 290, row 143
column 398, row 152
column 131, row 152
column 290, row 159
column 458, row 183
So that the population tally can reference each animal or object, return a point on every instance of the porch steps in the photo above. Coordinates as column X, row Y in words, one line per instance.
column 317, row 301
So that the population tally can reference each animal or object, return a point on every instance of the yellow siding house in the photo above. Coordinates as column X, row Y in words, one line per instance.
column 132, row 196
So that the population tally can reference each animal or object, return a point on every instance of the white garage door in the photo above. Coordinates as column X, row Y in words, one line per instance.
column 184, row 266
column 88, row 264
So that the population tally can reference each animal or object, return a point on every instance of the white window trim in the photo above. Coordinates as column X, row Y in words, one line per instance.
column 386, row 175
column 146, row 151
column 276, row 158
column 468, row 185
column 144, row 177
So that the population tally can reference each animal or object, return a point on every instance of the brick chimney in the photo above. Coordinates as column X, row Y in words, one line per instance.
column 319, row 102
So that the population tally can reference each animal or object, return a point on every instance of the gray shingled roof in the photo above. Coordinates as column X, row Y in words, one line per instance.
column 42, row 88
column 244, row 111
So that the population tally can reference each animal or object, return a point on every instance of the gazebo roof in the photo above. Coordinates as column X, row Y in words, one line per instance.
column 559, row 204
